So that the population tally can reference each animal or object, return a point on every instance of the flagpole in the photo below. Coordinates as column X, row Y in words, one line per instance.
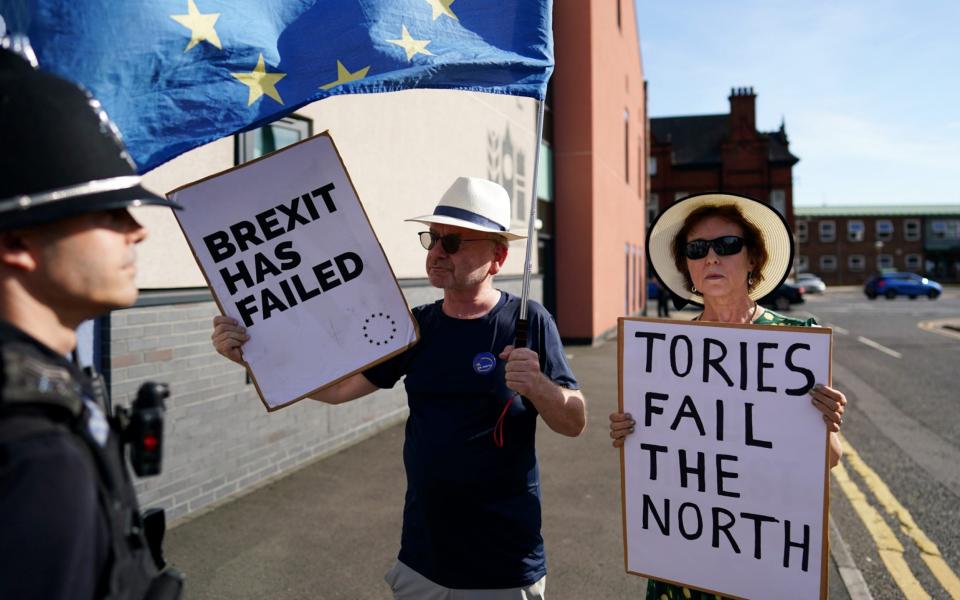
column 522, row 323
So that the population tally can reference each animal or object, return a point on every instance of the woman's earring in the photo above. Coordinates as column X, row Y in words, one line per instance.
column 694, row 289
column 750, row 279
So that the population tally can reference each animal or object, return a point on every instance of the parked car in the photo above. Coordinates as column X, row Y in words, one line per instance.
column 911, row 285
column 812, row 284
column 784, row 296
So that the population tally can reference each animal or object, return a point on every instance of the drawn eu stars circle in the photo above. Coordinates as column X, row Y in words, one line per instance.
column 379, row 329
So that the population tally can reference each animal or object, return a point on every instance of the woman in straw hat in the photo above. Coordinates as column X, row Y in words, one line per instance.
column 725, row 252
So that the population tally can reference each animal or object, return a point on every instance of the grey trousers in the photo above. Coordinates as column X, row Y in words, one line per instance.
column 407, row 584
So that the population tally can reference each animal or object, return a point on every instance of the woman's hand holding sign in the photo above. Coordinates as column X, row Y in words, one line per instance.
column 832, row 403
column 621, row 425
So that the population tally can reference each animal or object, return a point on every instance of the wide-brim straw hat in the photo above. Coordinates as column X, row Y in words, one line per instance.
column 474, row 203
column 777, row 241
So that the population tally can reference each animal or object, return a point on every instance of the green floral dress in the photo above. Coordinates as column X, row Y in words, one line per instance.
column 659, row 590
column 768, row 317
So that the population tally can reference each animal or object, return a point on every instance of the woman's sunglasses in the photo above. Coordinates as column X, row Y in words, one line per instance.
column 450, row 242
column 723, row 246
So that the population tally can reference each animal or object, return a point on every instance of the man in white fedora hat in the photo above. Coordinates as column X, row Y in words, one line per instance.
column 471, row 520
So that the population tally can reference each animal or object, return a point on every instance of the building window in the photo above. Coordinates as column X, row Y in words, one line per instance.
column 276, row 135
column 828, row 263
column 856, row 262
column 884, row 261
column 802, row 232
column 778, row 200
column 828, row 231
column 945, row 230
column 652, row 165
column 653, row 207
column 912, row 262
column 803, row 263
column 626, row 145
column 939, row 229
column 679, row 196
column 628, row 281
column 885, row 230
column 619, row 14
column 911, row 230
column 636, row 278
column 855, row 230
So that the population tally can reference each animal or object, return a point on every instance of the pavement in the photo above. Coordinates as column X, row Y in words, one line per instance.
column 331, row 529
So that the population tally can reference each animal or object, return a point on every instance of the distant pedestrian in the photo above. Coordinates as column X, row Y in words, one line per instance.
column 663, row 299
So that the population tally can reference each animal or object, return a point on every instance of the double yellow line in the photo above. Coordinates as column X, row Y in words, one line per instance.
column 888, row 546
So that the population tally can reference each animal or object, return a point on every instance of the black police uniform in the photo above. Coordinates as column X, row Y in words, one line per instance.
column 69, row 522
column 69, row 519
column 56, row 541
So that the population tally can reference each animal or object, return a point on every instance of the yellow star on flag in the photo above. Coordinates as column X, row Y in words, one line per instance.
column 200, row 26
column 441, row 7
column 412, row 46
column 261, row 82
column 345, row 76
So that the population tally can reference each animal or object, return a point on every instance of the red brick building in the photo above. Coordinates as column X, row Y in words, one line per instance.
column 599, row 150
column 724, row 152
column 847, row 244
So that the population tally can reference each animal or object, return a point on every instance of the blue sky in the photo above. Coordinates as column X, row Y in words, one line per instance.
column 869, row 89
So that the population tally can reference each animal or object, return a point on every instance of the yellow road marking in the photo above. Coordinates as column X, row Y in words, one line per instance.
column 889, row 547
column 937, row 326
column 928, row 550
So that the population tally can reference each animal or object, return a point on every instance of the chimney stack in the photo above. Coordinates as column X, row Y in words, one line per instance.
column 743, row 113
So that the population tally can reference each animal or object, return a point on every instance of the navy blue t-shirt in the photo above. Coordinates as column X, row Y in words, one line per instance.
column 472, row 514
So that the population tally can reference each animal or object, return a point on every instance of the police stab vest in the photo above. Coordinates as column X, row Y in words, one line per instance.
column 41, row 396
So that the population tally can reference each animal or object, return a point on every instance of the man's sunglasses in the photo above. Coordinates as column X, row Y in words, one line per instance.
column 450, row 242
column 723, row 246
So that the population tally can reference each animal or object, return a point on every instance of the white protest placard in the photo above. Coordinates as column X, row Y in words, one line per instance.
column 288, row 251
column 725, row 478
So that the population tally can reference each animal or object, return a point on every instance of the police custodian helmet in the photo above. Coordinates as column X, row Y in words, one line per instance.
column 60, row 155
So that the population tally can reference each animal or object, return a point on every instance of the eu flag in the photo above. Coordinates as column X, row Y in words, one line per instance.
column 176, row 74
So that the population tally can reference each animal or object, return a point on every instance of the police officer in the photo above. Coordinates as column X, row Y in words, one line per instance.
column 69, row 522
